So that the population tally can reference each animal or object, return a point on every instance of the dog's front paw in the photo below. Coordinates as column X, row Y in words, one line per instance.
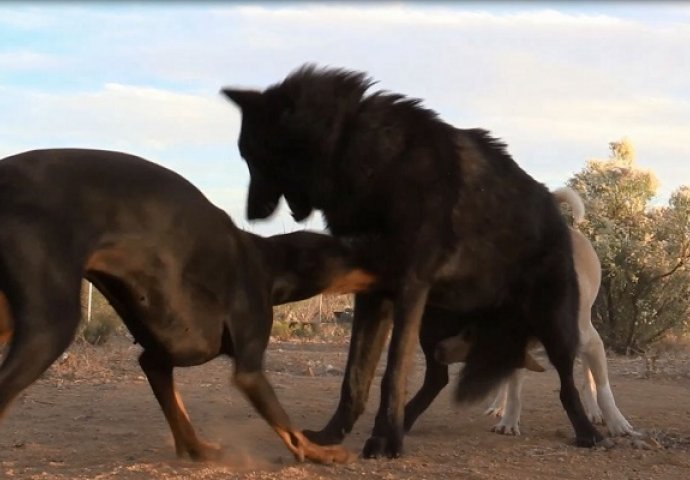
column 204, row 452
column 506, row 429
column 376, row 447
column 619, row 426
column 594, row 440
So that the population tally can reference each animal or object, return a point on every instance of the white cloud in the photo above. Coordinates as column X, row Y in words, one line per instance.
column 118, row 115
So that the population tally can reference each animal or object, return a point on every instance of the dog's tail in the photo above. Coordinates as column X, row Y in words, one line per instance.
column 571, row 197
column 498, row 348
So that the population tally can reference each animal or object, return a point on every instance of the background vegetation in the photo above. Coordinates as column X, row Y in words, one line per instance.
column 644, row 248
column 323, row 317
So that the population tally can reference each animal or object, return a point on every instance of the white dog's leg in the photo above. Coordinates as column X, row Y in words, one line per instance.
column 588, row 393
column 498, row 406
column 509, row 423
column 595, row 356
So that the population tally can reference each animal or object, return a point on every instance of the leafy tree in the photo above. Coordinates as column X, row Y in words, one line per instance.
column 644, row 250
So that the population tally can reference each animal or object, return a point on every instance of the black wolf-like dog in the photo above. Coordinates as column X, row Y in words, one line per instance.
column 444, row 215
column 189, row 284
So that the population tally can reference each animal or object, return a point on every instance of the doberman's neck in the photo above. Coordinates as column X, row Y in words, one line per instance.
column 304, row 264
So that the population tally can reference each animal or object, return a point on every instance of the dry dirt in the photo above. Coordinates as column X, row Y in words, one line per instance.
column 93, row 417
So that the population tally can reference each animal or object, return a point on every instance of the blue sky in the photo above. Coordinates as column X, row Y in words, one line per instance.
column 556, row 81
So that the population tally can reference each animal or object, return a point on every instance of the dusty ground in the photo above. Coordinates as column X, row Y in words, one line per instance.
column 94, row 417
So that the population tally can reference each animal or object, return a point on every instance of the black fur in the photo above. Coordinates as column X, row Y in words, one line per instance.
column 496, row 344
column 189, row 285
column 444, row 216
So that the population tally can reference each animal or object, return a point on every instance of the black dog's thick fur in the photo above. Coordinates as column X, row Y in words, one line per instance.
column 189, row 285
column 494, row 354
column 444, row 215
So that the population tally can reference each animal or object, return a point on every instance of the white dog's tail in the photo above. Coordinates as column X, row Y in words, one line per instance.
column 570, row 196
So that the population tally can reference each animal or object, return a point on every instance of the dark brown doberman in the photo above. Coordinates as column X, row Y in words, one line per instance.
column 188, row 284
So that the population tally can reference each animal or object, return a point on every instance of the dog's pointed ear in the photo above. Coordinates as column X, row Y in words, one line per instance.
column 262, row 198
column 245, row 99
column 299, row 207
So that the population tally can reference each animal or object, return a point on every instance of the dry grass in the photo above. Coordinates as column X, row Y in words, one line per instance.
column 98, row 364
column 669, row 357
column 314, row 319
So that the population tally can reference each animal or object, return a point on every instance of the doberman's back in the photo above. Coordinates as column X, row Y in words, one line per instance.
column 96, row 186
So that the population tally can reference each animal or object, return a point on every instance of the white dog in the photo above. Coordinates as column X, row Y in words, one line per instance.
column 596, row 394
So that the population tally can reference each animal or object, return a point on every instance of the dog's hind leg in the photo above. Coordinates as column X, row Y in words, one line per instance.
column 45, row 307
column 594, row 358
column 435, row 379
column 498, row 405
column 437, row 325
column 435, row 328
column 160, row 376
column 370, row 326
column 5, row 320
column 512, row 402
column 156, row 365
column 561, row 350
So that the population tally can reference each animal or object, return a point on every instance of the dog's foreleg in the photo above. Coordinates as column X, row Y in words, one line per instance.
column 588, row 392
column 387, row 435
column 250, row 327
column 594, row 354
column 262, row 396
column 370, row 327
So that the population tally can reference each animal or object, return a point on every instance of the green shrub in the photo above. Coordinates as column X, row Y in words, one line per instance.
column 281, row 330
column 99, row 330
column 104, row 322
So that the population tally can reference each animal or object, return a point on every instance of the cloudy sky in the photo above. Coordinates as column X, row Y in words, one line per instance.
column 556, row 81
